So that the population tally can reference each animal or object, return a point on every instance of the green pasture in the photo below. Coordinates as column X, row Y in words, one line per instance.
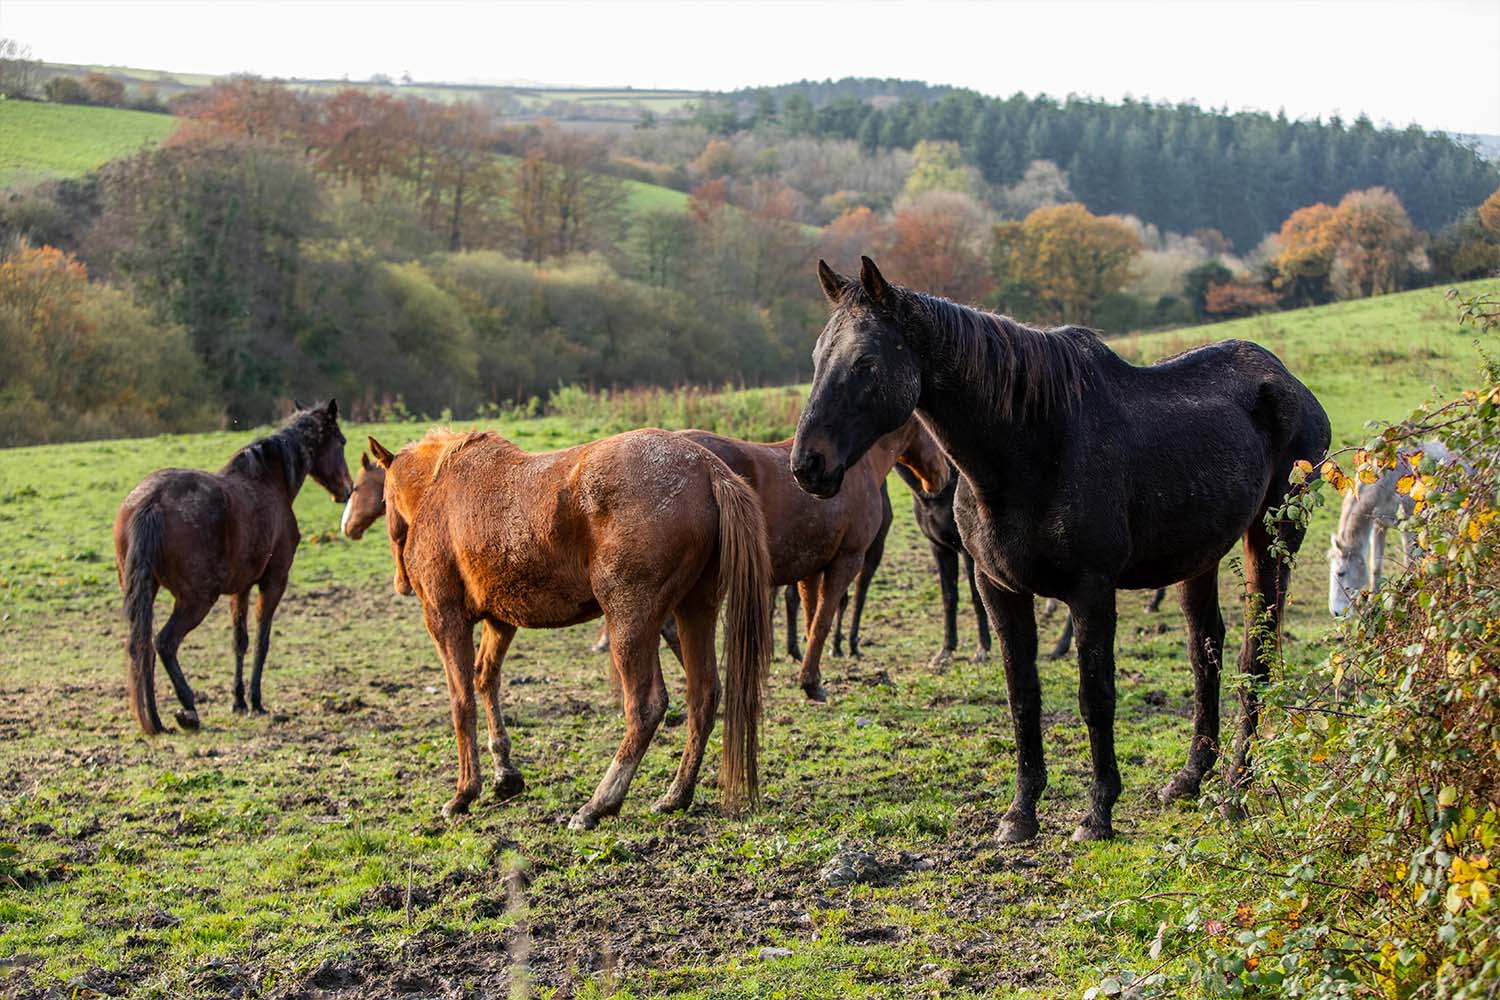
column 302, row 853
column 40, row 141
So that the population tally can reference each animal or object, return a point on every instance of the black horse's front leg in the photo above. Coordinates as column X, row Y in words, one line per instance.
column 1094, row 631
column 1015, row 624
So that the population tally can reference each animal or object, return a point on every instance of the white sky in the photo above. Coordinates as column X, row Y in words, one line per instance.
column 1433, row 62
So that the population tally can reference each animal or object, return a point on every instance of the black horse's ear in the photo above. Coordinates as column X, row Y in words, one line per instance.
column 297, row 404
column 332, row 409
column 876, row 287
column 381, row 453
column 833, row 283
column 364, row 460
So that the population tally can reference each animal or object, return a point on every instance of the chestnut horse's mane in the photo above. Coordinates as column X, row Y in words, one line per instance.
column 443, row 443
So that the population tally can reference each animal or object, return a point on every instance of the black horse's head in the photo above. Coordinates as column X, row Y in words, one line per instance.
column 866, row 378
column 319, row 425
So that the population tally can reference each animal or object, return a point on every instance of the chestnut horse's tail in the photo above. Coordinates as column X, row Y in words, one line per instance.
column 144, row 536
column 745, row 589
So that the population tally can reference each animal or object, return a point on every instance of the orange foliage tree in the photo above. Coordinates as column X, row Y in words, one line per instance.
column 1061, row 260
column 1360, row 248
column 936, row 244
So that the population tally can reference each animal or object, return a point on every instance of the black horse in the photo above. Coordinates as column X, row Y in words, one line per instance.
column 934, row 516
column 1081, row 474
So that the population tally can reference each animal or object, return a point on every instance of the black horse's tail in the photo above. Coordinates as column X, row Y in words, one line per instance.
column 144, row 535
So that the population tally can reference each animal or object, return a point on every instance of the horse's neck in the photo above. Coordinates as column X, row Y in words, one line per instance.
column 886, row 449
column 1357, row 523
column 273, row 475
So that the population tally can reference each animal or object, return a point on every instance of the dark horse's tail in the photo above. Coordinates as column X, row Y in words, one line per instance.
column 143, row 537
column 745, row 588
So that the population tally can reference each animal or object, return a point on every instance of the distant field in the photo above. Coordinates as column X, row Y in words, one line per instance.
column 40, row 141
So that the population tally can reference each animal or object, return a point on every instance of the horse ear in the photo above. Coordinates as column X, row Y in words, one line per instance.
column 381, row 453
column 332, row 409
column 833, row 283
column 876, row 287
column 364, row 460
column 297, row 404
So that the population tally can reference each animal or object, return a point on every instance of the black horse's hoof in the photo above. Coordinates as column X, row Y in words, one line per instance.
column 1091, row 830
column 509, row 784
column 240, row 708
column 940, row 660
column 1184, row 786
column 1017, row 829
column 187, row 720
column 258, row 710
column 981, row 655
column 815, row 692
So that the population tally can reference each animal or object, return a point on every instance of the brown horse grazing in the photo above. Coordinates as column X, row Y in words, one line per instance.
column 821, row 545
column 639, row 527
column 201, row 535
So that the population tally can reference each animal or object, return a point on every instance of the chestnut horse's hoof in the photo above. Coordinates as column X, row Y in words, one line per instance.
column 457, row 806
column 187, row 720
column 670, row 803
column 1090, row 830
column 1185, row 785
column 941, row 659
column 1017, row 829
column 583, row 819
column 815, row 692
column 509, row 784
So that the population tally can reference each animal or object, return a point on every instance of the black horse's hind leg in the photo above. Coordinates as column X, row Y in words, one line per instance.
column 793, row 605
column 239, row 611
column 1266, row 580
column 271, row 590
column 1094, row 620
column 947, row 567
column 983, row 652
column 187, row 613
column 1015, row 625
column 1064, row 641
column 838, row 625
column 1154, row 604
column 1205, row 639
column 873, row 555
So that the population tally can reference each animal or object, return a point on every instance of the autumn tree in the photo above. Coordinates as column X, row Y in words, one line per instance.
column 1375, row 244
column 251, row 108
column 1309, row 242
column 938, row 166
column 561, row 202
column 1061, row 261
column 936, row 244
column 855, row 233
column 1489, row 214
column 104, row 90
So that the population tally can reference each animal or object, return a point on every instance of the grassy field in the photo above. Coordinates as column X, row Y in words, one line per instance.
column 40, row 141
column 303, row 854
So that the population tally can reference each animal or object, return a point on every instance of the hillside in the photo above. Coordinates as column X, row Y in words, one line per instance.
column 41, row 141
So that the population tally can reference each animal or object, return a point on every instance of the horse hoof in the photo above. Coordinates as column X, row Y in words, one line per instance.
column 509, row 784
column 257, row 710
column 456, row 806
column 981, row 655
column 187, row 720
column 240, row 708
column 838, row 653
column 941, row 659
column 816, row 693
column 1089, row 831
column 1016, row 830
column 1183, row 786
column 583, row 820
column 670, row 803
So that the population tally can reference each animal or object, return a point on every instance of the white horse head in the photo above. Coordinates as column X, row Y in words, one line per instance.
column 1348, row 573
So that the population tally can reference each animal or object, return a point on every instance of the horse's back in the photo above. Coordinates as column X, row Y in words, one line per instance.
column 195, row 508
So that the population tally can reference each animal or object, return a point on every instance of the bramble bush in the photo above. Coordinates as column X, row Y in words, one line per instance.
column 1366, row 865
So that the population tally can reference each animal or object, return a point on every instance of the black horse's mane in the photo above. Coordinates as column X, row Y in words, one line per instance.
column 1022, row 372
column 289, row 449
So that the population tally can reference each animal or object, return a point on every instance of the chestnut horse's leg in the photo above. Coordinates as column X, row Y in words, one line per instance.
column 1014, row 618
column 1205, row 639
column 453, row 635
column 187, row 613
column 697, row 618
column 239, row 611
column 1093, row 617
column 272, row 586
column 835, row 579
column 793, row 606
column 635, row 647
column 947, row 567
column 494, row 640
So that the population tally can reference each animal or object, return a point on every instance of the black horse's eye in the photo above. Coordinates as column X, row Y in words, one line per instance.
column 864, row 365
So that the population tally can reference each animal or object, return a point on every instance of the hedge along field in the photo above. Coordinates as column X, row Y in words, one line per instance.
column 303, row 853
column 41, row 141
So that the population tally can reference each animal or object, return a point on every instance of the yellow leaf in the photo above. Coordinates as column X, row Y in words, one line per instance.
column 1404, row 484
column 1479, row 892
column 1367, row 475
column 1418, row 489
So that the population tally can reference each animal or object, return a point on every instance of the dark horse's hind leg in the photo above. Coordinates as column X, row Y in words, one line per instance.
column 1154, row 604
column 187, row 614
column 271, row 589
column 793, row 606
column 1014, row 618
column 982, row 651
column 1205, row 640
column 1266, row 580
column 1064, row 641
column 1094, row 620
column 873, row 555
column 947, row 567
column 493, row 642
column 239, row 611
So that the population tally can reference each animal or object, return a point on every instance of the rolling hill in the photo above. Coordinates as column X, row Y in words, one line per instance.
column 42, row 141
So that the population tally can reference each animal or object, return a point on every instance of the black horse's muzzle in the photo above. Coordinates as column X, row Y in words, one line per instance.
column 815, row 476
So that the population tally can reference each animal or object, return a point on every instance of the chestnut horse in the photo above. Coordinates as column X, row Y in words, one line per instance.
column 638, row 527
column 1079, row 474
column 821, row 545
column 201, row 535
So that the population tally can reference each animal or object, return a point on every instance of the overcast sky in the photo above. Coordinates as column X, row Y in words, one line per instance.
column 1433, row 62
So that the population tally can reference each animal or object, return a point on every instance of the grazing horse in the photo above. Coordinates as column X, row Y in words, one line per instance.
column 639, row 527
column 1368, row 511
column 1080, row 474
column 821, row 545
column 201, row 535
column 934, row 516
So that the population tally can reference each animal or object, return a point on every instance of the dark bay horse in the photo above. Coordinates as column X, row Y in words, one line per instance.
column 201, row 535
column 1080, row 474
column 821, row 545
column 934, row 516
column 638, row 527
